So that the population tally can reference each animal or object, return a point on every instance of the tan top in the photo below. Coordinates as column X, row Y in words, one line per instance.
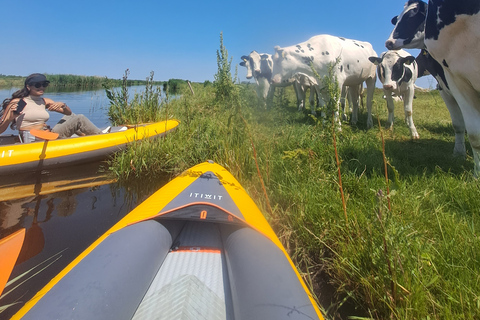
column 34, row 113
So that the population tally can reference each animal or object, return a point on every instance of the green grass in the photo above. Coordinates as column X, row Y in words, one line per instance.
column 419, row 260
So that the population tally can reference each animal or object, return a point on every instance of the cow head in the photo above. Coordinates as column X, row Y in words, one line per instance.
column 392, row 70
column 247, row 64
column 409, row 30
column 258, row 65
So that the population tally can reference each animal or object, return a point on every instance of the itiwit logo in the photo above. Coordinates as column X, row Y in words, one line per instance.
column 205, row 196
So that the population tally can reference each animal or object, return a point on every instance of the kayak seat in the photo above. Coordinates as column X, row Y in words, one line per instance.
column 110, row 282
column 264, row 284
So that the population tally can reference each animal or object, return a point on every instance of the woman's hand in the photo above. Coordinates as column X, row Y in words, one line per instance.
column 57, row 107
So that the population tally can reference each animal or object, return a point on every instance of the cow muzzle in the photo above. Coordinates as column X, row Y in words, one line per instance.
column 389, row 44
column 388, row 87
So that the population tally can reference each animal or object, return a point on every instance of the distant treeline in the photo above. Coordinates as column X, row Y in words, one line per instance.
column 69, row 81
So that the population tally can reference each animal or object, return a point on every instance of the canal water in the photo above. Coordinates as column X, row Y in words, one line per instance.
column 63, row 210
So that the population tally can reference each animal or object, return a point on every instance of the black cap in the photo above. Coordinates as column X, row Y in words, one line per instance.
column 36, row 78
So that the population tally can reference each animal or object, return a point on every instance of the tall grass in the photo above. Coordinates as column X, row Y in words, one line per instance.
column 142, row 107
column 420, row 259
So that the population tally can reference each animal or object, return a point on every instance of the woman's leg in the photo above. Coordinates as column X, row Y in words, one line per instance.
column 74, row 123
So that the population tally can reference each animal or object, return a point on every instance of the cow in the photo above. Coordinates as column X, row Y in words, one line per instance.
column 397, row 70
column 429, row 66
column 260, row 65
column 350, row 61
column 449, row 30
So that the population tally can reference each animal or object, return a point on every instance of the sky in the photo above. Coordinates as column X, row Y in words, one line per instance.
column 174, row 39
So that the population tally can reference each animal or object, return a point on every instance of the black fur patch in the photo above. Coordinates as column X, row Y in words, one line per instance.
column 425, row 62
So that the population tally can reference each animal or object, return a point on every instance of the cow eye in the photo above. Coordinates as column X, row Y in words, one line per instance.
column 394, row 20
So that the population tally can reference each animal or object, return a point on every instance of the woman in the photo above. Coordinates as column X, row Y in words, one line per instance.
column 27, row 109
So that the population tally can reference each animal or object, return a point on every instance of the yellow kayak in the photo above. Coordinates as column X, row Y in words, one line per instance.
column 18, row 157
column 198, row 248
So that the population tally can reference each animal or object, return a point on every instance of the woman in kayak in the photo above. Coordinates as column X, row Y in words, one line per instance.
column 27, row 109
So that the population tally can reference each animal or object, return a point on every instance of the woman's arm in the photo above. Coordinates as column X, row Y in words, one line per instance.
column 8, row 115
column 59, row 107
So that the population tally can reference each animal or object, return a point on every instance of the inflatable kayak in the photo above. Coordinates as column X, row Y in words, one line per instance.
column 198, row 248
column 18, row 157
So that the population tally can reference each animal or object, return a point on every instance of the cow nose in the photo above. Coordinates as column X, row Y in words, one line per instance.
column 389, row 44
column 388, row 87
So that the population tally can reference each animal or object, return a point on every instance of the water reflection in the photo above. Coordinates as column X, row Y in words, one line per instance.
column 63, row 212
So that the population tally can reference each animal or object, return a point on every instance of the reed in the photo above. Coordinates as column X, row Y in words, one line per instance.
column 141, row 108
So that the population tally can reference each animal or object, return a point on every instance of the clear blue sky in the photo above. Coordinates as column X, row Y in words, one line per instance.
column 175, row 39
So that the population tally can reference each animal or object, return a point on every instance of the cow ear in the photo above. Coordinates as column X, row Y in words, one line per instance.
column 375, row 60
column 244, row 58
column 408, row 60
column 394, row 20
column 242, row 63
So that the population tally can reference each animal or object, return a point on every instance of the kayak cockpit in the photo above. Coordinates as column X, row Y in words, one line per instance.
column 179, row 269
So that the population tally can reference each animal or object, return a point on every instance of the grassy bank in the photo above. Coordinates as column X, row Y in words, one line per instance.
column 417, row 260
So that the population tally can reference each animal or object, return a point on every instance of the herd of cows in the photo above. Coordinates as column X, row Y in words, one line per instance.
column 447, row 31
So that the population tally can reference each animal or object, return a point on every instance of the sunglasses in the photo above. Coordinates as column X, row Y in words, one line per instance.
column 41, row 84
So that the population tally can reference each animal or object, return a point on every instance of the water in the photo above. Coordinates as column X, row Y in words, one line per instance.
column 63, row 210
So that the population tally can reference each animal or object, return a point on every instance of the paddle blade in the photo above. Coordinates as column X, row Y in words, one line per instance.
column 10, row 247
column 44, row 135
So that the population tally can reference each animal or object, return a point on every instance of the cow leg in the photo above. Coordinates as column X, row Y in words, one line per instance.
column 390, row 108
column 300, row 92
column 353, row 95
column 467, row 99
column 407, row 107
column 457, row 122
column 343, row 94
column 270, row 95
column 370, row 82
column 264, row 88
column 312, row 99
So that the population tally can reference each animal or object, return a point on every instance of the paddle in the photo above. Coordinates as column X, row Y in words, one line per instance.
column 44, row 135
column 9, row 250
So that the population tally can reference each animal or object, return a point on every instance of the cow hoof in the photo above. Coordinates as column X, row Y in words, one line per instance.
column 415, row 137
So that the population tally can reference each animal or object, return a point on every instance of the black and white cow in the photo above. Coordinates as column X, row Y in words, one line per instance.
column 429, row 66
column 450, row 31
column 322, row 52
column 259, row 66
column 397, row 70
